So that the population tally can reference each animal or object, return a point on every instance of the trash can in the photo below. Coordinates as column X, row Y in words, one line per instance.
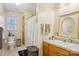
column 22, row 52
column 18, row 42
column 32, row 51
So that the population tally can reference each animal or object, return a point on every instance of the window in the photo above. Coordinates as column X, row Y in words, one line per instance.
column 11, row 23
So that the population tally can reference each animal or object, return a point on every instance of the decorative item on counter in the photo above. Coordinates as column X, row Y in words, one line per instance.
column 9, row 34
column 57, row 34
column 49, row 38
column 52, row 37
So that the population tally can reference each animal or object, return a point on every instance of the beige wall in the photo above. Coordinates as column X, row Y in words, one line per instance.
column 57, row 22
column 2, row 13
column 19, row 20
column 46, row 15
column 74, row 34
column 67, row 11
column 28, row 14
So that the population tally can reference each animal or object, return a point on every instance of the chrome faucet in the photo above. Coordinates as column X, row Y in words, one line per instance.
column 70, row 40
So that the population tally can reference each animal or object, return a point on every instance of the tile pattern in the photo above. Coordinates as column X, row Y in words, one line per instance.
column 12, row 52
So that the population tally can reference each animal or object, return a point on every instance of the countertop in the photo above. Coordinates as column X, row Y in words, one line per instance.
column 65, row 45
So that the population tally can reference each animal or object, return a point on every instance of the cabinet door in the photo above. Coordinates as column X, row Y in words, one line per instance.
column 45, row 49
column 52, row 54
column 73, row 54
column 52, row 50
column 56, row 51
column 62, row 52
column 45, row 52
column 45, row 44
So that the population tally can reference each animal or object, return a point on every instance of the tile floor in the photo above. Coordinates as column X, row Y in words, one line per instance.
column 12, row 52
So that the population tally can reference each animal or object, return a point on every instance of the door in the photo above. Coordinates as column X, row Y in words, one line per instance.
column 1, row 30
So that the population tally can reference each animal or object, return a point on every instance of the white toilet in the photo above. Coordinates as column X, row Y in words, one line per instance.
column 11, row 42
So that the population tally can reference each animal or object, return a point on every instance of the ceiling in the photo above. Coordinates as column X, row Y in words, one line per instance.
column 27, row 7
column 22, row 7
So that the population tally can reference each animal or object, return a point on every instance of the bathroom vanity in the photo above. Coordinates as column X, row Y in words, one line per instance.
column 60, row 48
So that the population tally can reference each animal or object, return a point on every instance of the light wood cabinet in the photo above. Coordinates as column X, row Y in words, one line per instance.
column 52, row 50
column 56, row 51
column 62, row 52
column 73, row 54
column 45, row 49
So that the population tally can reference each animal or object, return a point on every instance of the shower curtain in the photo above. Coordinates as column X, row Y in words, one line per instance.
column 31, row 32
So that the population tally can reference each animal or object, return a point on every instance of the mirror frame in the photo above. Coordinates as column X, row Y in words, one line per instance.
column 63, row 22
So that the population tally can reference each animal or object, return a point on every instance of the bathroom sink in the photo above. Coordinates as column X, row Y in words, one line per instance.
column 62, row 43
column 66, row 45
column 58, row 42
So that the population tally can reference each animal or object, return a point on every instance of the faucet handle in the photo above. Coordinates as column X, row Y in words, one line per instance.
column 70, row 41
column 49, row 38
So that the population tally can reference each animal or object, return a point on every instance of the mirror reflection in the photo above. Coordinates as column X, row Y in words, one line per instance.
column 68, row 25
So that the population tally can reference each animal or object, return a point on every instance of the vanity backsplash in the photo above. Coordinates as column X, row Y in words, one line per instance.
column 66, row 39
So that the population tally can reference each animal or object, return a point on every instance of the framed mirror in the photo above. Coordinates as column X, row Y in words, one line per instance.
column 68, row 25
